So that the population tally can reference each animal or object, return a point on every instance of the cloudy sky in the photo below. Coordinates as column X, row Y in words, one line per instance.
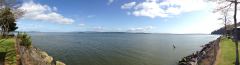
column 154, row 16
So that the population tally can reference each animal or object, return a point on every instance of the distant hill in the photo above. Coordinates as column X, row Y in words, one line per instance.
column 221, row 30
column 218, row 31
column 116, row 32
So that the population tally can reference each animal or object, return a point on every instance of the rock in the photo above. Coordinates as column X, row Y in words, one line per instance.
column 59, row 63
column 45, row 57
column 35, row 56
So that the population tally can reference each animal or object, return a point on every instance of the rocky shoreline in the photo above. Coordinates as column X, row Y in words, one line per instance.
column 27, row 54
column 206, row 56
column 35, row 56
column 30, row 55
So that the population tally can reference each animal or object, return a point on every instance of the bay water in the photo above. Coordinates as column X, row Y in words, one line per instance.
column 119, row 48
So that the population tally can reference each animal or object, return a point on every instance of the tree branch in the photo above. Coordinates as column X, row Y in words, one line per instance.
column 220, row 8
column 233, row 2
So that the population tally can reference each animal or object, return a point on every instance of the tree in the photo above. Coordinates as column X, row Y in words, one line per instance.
column 9, row 13
column 226, row 19
column 224, row 7
column 7, row 21
column 236, row 31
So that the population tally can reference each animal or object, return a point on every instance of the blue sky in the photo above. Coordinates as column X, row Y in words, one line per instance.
column 154, row 16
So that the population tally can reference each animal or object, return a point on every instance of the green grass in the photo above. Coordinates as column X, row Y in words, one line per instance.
column 7, row 45
column 227, row 54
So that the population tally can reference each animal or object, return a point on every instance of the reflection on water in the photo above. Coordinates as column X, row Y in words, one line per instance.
column 119, row 48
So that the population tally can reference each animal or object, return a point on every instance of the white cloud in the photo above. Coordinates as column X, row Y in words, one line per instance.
column 81, row 25
column 36, row 11
column 55, row 9
column 157, row 8
column 206, row 25
column 29, row 27
column 141, row 29
column 110, row 2
column 91, row 16
column 128, row 5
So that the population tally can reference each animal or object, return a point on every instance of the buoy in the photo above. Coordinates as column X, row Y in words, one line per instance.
column 174, row 46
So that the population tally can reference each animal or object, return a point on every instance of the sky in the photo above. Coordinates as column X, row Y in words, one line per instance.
column 150, row 16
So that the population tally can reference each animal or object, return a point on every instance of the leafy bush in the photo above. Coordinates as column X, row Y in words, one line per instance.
column 25, row 40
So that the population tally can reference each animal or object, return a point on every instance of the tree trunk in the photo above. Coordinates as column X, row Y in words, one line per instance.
column 236, row 32
column 225, row 25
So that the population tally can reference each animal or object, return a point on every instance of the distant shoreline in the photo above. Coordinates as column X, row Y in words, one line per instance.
column 128, row 33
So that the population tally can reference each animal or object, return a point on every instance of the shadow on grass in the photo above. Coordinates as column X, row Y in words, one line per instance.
column 7, row 52
column 2, row 57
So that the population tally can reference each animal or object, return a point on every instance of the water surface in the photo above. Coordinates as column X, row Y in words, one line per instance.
column 119, row 48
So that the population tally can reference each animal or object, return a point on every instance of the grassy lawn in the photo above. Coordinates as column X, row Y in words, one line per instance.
column 7, row 45
column 227, row 52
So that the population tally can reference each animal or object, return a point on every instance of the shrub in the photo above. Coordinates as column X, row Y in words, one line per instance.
column 25, row 40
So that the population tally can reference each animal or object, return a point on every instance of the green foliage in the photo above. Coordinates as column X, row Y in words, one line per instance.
column 8, row 46
column 25, row 39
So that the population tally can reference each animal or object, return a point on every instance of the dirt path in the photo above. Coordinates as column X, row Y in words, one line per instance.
column 218, row 55
column 17, row 51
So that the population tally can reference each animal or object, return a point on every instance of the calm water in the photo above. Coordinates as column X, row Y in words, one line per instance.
column 119, row 48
